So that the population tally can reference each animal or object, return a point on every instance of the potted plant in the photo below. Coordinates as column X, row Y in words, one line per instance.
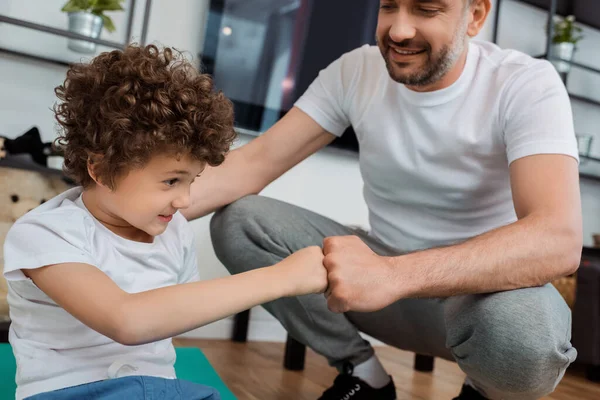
column 564, row 42
column 87, row 17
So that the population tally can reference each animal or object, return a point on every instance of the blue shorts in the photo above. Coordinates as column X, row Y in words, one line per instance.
column 133, row 388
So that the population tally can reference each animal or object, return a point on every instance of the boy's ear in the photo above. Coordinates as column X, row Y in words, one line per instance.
column 92, row 164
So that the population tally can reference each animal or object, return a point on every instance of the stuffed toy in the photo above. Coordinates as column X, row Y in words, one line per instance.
column 28, row 143
column 21, row 191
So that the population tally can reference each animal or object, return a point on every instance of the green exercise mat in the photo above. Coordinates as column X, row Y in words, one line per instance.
column 191, row 365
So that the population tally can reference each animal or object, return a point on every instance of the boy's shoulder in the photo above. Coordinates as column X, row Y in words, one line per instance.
column 61, row 211
column 55, row 232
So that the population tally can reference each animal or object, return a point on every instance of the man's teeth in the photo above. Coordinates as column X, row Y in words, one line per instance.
column 406, row 53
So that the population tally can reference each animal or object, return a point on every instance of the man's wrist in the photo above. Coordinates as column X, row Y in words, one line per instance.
column 393, row 282
column 404, row 279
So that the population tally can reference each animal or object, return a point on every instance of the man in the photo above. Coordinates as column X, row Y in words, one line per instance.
column 470, row 168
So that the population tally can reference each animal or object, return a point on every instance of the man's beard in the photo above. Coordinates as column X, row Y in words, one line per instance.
column 435, row 67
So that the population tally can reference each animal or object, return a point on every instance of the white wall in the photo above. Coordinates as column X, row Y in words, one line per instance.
column 177, row 23
column 530, row 37
column 27, row 86
column 522, row 27
column 332, row 176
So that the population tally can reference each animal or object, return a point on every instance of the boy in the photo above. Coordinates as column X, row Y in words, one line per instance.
column 103, row 275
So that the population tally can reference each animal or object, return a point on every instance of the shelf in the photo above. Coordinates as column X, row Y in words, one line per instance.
column 577, row 65
column 24, row 161
column 589, row 167
column 40, row 46
column 71, row 35
column 35, row 57
column 590, row 158
column 572, row 63
column 584, row 99
column 59, row 32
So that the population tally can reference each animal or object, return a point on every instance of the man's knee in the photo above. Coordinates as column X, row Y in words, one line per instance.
column 234, row 228
column 520, row 372
column 511, row 344
column 235, row 214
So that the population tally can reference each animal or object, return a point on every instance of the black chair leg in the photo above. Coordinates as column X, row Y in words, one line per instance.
column 592, row 372
column 423, row 363
column 4, row 326
column 295, row 354
column 240, row 326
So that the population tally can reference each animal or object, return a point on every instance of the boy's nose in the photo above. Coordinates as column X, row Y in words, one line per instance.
column 182, row 201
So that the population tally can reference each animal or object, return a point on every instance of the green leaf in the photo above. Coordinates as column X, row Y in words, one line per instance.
column 70, row 8
column 565, row 30
column 76, row 5
column 108, row 23
column 95, row 6
column 108, row 5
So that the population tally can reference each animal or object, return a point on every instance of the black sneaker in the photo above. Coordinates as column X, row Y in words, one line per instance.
column 468, row 393
column 348, row 387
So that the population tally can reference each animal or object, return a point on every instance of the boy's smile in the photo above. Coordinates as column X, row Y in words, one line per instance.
column 165, row 218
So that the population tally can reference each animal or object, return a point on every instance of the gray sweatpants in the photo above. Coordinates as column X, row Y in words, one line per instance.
column 512, row 345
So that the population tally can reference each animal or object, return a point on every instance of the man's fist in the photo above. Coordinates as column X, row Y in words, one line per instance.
column 359, row 280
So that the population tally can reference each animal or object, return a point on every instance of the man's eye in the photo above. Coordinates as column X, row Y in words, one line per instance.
column 387, row 5
column 171, row 182
column 428, row 11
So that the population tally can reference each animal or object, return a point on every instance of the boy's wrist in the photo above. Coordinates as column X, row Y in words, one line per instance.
column 277, row 280
column 287, row 279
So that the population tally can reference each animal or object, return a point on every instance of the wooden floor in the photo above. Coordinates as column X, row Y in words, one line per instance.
column 254, row 371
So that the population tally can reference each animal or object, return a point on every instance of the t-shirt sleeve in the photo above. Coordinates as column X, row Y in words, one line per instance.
column 538, row 118
column 327, row 99
column 45, row 239
column 189, row 271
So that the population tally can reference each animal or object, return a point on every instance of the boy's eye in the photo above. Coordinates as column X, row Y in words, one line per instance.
column 194, row 179
column 171, row 182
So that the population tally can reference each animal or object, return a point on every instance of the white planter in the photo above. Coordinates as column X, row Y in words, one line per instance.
column 86, row 24
column 562, row 51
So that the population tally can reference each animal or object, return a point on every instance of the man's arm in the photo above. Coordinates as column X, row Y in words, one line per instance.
column 544, row 244
column 250, row 168
column 137, row 318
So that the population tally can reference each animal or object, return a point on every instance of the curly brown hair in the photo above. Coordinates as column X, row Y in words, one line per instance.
column 126, row 106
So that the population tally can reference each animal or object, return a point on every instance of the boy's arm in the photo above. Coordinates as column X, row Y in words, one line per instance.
column 132, row 319
column 249, row 169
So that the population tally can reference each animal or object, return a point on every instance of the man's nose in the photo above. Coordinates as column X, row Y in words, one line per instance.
column 402, row 28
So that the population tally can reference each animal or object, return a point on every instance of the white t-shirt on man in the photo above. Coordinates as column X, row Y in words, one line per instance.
column 435, row 164
column 53, row 349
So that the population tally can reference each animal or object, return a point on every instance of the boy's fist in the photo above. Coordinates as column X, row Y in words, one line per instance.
column 305, row 271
